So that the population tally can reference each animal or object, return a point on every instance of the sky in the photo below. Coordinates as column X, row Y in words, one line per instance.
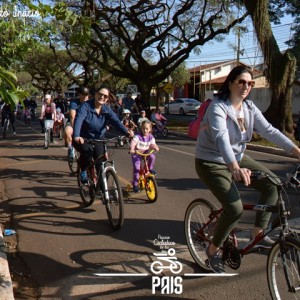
column 215, row 51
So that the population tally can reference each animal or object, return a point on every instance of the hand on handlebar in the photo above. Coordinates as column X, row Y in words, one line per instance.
column 130, row 133
column 79, row 140
column 242, row 174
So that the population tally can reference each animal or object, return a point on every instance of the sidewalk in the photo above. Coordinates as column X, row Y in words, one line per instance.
column 6, row 288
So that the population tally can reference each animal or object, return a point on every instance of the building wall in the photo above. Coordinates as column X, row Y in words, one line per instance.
column 262, row 98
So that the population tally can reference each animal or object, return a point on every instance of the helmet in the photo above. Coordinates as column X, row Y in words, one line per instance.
column 58, row 110
column 126, row 111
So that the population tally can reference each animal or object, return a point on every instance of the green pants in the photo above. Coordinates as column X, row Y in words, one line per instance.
column 219, row 180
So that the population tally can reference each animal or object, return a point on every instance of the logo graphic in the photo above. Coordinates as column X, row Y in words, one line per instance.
column 174, row 266
column 166, row 261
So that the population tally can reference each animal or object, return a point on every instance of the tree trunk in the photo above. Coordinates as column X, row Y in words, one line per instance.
column 280, row 70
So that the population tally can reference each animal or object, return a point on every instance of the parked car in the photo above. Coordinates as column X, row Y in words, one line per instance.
column 182, row 106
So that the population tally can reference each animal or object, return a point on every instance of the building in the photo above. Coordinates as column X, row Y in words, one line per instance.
column 209, row 77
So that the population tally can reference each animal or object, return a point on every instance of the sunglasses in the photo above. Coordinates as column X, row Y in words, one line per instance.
column 242, row 82
column 103, row 95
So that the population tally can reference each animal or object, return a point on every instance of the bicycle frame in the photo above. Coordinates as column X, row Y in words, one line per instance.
column 279, row 221
column 105, row 166
column 144, row 171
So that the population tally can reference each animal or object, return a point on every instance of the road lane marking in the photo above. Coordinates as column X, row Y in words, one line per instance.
column 21, row 163
column 182, row 152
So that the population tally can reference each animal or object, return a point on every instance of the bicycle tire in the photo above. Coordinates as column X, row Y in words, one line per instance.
column 73, row 164
column 151, row 189
column 114, row 205
column 5, row 128
column 86, row 191
column 47, row 138
column 196, row 216
column 283, row 269
column 165, row 132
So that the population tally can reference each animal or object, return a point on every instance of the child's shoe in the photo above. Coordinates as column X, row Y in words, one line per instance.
column 136, row 189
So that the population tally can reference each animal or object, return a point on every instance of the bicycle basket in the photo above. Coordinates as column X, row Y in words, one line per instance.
column 295, row 177
column 49, row 124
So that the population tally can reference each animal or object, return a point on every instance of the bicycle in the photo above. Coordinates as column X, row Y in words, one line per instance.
column 147, row 180
column 6, row 123
column 162, row 130
column 58, row 130
column 104, row 185
column 48, row 132
column 73, row 162
column 283, row 263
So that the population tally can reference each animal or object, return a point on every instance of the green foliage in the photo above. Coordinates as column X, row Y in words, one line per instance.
column 9, row 92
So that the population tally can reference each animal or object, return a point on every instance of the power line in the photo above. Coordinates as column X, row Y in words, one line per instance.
column 250, row 46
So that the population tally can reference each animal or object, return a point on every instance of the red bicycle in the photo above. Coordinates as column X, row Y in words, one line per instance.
column 283, row 263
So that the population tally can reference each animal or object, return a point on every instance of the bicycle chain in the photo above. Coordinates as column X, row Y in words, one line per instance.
column 231, row 255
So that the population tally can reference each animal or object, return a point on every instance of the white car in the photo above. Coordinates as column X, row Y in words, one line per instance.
column 182, row 106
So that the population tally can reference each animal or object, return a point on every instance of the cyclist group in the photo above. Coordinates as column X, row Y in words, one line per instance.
column 220, row 158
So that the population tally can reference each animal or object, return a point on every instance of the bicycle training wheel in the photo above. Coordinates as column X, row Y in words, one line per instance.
column 114, row 205
column 198, row 228
column 73, row 163
column 47, row 138
column 283, row 269
column 151, row 189
column 86, row 190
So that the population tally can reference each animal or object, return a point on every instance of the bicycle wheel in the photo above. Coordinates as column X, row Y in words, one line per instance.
column 165, row 132
column 114, row 204
column 73, row 163
column 47, row 138
column 86, row 190
column 283, row 269
column 151, row 189
column 198, row 228
column 5, row 128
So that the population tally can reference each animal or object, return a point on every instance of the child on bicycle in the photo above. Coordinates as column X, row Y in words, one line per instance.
column 128, row 120
column 142, row 142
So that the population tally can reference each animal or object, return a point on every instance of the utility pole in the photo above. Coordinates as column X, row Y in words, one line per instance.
column 238, row 45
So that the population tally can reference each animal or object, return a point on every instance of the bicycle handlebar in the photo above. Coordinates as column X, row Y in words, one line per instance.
column 105, row 140
column 292, row 180
column 144, row 154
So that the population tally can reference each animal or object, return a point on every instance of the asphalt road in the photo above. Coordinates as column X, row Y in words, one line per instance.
column 71, row 250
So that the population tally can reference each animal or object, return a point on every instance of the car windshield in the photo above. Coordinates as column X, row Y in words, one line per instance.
column 191, row 100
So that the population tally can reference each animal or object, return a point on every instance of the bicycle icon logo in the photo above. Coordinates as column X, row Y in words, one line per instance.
column 174, row 265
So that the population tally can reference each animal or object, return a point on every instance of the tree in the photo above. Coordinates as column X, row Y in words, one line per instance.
column 14, row 42
column 293, row 8
column 280, row 70
column 46, row 74
column 145, row 41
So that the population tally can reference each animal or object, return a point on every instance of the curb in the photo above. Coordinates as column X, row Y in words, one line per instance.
column 253, row 147
column 6, row 287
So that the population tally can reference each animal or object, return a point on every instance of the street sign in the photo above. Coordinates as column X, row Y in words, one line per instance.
column 168, row 88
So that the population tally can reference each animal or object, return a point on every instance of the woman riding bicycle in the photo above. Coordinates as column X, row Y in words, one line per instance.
column 90, row 122
column 220, row 160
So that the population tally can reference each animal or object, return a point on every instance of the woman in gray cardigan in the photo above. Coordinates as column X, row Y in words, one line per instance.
column 227, row 126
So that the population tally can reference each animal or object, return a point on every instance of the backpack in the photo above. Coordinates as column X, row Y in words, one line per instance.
column 195, row 124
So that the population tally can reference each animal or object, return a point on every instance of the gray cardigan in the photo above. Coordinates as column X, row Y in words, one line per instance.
column 220, row 139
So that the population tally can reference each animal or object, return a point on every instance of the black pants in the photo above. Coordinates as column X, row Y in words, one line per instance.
column 11, row 117
column 88, row 152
